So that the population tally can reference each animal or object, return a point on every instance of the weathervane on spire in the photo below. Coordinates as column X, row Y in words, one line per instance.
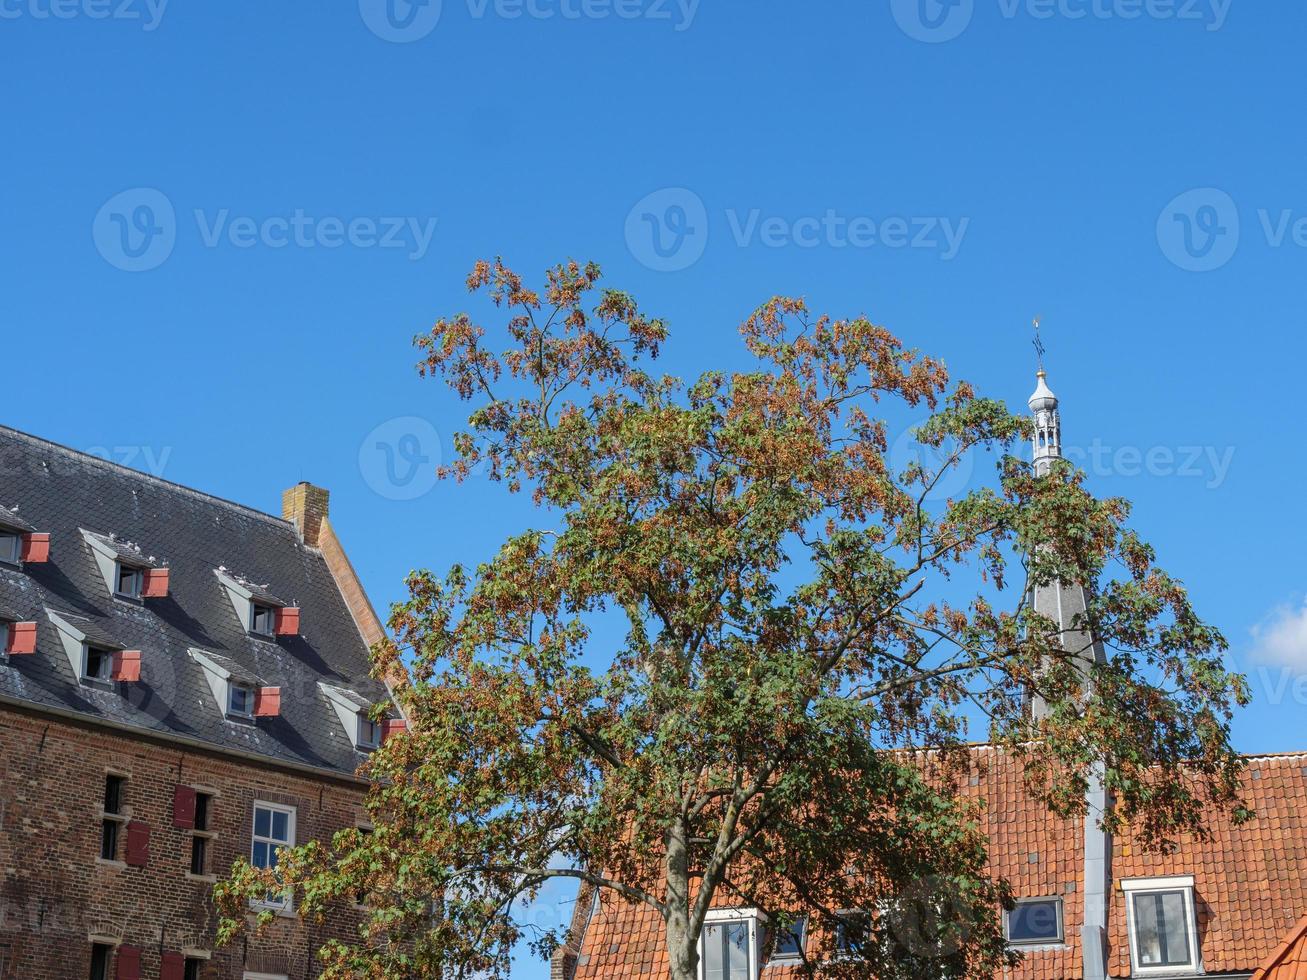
column 1039, row 344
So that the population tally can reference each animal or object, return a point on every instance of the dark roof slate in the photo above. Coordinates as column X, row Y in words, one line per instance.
column 10, row 520
column 127, row 551
column 65, row 491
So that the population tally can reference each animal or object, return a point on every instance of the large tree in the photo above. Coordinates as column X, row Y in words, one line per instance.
column 737, row 661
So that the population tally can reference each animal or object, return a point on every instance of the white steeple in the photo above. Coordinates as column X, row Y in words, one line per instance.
column 1048, row 425
column 1065, row 603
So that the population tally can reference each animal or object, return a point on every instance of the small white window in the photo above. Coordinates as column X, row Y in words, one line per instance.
column 97, row 664
column 729, row 946
column 790, row 942
column 851, row 932
column 1163, row 929
column 263, row 619
column 240, row 700
column 369, row 733
column 274, row 829
column 128, row 581
column 11, row 547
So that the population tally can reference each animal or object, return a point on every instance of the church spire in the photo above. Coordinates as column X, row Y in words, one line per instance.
column 1048, row 424
column 1065, row 603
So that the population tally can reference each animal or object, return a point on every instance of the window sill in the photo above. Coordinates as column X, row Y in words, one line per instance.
column 112, row 865
column 207, row 879
column 280, row 911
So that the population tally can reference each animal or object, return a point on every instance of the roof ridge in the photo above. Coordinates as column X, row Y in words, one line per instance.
column 146, row 477
column 1281, row 951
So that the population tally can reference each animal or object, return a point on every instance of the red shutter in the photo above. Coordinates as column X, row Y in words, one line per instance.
column 36, row 548
column 392, row 726
column 156, row 583
column 138, row 844
column 22, row 638
column 127, row 666
column 172, row 967
column 288, row 621
column 183, row 807
column 267, row 702
column 128, row 965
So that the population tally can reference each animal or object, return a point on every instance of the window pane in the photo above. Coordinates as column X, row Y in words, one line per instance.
column 109, row 840
column 260, row 858
column 714, row 953
column 262, row 821
column 198, row 847
column 790, row 941
column 1034, row 922
column 726, row 951
column 279, row 830
column 1161, row 932
column 737, row 948
column 99, row 962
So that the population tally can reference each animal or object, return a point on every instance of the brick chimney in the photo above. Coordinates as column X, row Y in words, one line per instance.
column 306, row 506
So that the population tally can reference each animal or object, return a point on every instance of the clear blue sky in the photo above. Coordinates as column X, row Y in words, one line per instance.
column 1042, row 154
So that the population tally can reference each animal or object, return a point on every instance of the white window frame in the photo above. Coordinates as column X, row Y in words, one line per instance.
column 232, row 687
column 284, row 904
column 720, row 916
column 137, row 575
column 106, row 657
column 365, row 723
column 1175, row 883
column 1060, row 940
column 779, row 958
column 254, row 618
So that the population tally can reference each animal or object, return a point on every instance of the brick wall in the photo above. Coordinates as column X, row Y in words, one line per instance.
column 55, row 893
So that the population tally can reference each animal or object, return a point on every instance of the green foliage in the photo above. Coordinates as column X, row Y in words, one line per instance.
column 783, row 724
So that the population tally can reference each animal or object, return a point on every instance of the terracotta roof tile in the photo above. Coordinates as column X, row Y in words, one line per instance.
column 1250, row 882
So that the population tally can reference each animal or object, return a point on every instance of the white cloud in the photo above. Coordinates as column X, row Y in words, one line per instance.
column 1281, row 638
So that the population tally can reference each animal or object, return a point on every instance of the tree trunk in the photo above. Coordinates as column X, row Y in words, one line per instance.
column 682, row 945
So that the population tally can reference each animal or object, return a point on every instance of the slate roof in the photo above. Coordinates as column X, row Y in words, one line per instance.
column 128, row 551
column 12, row 522
column 63, row 492
column 1250, row 882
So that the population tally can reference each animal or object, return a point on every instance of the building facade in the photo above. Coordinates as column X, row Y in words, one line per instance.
column 184, row 682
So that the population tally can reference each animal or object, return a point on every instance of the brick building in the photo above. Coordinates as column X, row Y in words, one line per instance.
column 184, row 681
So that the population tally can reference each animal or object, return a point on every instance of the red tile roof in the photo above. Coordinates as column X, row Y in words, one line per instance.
column 1289, row 961
column 1250, row 880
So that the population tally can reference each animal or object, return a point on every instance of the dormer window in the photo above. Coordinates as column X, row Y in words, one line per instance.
column 263, row 619
column 129, row 573
column 11, row 547
column 260, row 612
column 97, row 664
column 240, row 700
column 239, row 694
column 1163, row 928
column 130, row 581
column 355, row 714
column 729, row 945
column 369, row 736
